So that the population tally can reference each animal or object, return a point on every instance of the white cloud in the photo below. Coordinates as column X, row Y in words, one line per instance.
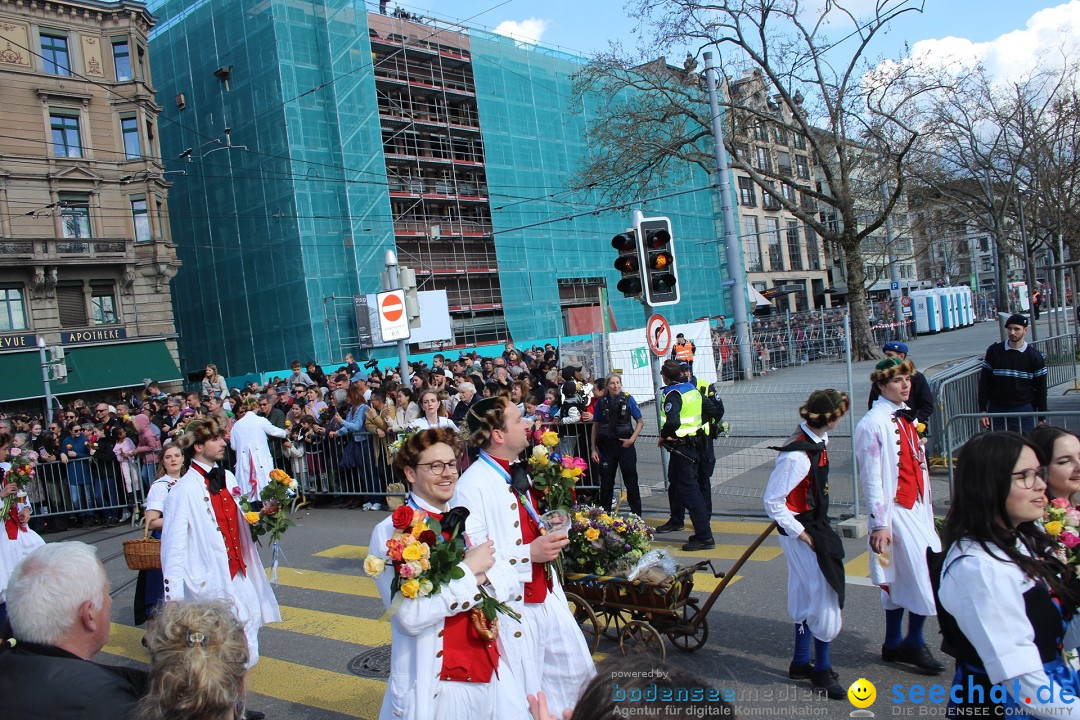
column 530, row 30
column 1050, row 38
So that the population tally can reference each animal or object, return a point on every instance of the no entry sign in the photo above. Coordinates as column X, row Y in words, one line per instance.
column 392, row 321
column 658, row 334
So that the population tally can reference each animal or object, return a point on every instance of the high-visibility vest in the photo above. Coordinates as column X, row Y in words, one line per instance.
column 690, row 415
column 684, row 352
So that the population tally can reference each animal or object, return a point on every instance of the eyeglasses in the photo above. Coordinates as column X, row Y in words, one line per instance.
column 1027, row 477
column 69, row 417
column 75, row 430
column 438, row 467
column 102, row 410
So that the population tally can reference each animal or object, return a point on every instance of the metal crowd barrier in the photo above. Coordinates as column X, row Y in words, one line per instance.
column 1064, row 419
column 83, row 487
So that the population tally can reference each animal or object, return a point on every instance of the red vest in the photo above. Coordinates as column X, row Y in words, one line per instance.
column 798, row 500
column 228, row 521
column 909, row 486
column 467, row 657
column 536, row 589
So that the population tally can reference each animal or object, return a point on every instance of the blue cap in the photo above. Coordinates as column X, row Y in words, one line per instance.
column 359, row 376
column 683, row 365
column 895, row 346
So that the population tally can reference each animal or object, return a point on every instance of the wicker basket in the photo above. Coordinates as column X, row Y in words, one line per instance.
column 143, row 554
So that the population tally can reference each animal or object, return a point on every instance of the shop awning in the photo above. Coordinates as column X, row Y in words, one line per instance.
column 90, row 368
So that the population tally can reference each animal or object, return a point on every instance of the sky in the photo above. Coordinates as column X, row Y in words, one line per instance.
column 1008, row 35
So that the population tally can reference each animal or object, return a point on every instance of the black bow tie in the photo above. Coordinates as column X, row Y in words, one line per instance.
column 215, row 480
column 453, row 520
column 906, row 413
column 519, row 478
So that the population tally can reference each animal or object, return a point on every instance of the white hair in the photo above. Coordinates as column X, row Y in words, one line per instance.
column 468, row 386
column 47, row 588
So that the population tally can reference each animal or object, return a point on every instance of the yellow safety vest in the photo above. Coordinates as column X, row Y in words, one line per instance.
column 690, row 422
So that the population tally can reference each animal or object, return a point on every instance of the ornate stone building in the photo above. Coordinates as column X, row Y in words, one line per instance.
column 85, row 249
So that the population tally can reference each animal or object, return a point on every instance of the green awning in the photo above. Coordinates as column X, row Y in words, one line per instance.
column 91, row 368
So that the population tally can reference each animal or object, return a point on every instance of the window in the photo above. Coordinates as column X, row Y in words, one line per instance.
column 761, row 131
column 102, row 303
column 75, row 216
column 742, row 151
column 772, row 234
column 121, row 53
column 129, row 127
column 750, row 242
column 781, row 135
column 812, row 250
column 54, row 54
column 747, row 196
column 160, row 216
column 783, row 162
column 905, row 272
column 769, row 201
column 788, row 193
column 802, row 167
column 984, row 244
column 794, row 249
column 141, row 217
column 798, row 141
column 72, row 305
column 66, row 140
column 150, row 137
column 764, row 162
column 12, row 310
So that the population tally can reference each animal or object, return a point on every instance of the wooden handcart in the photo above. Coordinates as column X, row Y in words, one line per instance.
column 639, row 614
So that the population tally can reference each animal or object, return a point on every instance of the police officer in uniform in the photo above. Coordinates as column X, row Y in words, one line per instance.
column 683, row 351
column 618, row 422
column 679, row 434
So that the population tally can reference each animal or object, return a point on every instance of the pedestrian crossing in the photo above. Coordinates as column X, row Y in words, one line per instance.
column 333, row 579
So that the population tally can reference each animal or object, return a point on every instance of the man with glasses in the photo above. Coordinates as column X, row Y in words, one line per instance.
column 108, row 467
column 896, row 485
column 268, row 409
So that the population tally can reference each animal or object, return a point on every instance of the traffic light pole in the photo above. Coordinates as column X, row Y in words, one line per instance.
column 732, row 246
column 654, row 365
column 45, row 379
column 394, row 281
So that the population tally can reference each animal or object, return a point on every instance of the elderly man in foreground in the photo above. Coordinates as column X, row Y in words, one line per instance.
column 59, row 606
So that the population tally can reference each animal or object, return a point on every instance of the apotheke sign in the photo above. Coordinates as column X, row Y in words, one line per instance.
column 78, row 337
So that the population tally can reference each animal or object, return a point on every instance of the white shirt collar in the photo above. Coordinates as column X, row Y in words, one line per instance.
column 823, row 437
column 201, row 464
column 424, row 505
column 1022, row 347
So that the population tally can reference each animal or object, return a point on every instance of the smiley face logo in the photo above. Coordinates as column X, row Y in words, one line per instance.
column 862, row 693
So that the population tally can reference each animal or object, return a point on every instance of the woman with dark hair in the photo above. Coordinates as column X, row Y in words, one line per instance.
column 1061, row 451
column 407, row 410
column 1003, row 597
column 443, row 660
column 150, row 584
column 358, row 457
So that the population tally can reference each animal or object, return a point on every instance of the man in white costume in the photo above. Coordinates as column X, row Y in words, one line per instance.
column 206, row 548
column 441, row 666
column 253, row 459
column 797, row 498
column 896, row 485
column 546, row 651
column 17, row 540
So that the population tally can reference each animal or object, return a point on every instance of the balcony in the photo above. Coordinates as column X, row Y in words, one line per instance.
column 66, row 251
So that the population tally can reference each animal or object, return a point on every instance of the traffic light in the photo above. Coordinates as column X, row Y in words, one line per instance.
column 661, row 274
column 628, row 263
column 407, row 280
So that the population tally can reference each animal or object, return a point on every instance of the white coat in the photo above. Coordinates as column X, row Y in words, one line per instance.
column 13, row 551
column 877, row 450
column 195, row 562
column 557, row 661
column 248, row 439
column 417, row 630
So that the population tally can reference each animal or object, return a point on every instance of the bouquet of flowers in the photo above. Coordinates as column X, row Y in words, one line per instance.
column 21, row 473
column 554, row 474
column 326, row 415
column 724, row 429
column 403, row 436
column 426, row 554
column 271, row 519
column 604, row 544
column 1062, row 524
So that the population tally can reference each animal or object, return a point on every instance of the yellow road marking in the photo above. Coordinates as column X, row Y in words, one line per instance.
column 345, row 552
column 720, row 552
column 337, row 692
column 858, row 566
column 734, row 527
column 360, row 585
column 347, row 628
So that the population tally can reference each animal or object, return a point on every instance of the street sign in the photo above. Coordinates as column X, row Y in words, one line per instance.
column 393, row 324
column 905, row 301
column 658, row 335
column 894, row 288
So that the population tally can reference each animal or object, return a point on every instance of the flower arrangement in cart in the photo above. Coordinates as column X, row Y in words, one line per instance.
column 602, row 543
column 21, row 473
column 426, row 554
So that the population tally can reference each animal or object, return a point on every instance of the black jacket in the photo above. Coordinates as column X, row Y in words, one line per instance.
column 39, row 682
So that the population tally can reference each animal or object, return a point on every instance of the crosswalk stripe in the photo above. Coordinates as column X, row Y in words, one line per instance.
column 720, row 552
column 333, row 626
column 858, row 566
column 359, row 585
column 348, row 695
column 344, row 552
column 727, row 527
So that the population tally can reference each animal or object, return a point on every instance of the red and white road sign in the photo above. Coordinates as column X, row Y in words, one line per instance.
column 393, row 325
column 905, row 301
column 658, row 335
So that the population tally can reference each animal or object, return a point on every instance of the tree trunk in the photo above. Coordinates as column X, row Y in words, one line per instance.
column 863, row 346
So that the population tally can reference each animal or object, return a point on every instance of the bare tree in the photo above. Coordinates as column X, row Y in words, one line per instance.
column 847, row 114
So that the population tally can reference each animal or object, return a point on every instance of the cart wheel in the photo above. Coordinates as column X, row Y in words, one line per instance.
column 683, row 635
column 640, row 637
column 613, row 622
column 586, row 620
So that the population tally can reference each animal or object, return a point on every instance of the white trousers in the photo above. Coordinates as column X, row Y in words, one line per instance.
column 911, row 536
column 810, row 598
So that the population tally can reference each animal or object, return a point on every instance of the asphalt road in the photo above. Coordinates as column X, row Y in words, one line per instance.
column 331, row 613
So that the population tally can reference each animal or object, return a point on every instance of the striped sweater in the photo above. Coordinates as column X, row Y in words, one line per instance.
column 1012, row 378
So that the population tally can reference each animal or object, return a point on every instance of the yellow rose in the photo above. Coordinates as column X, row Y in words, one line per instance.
column 592, row 534
column 412, row 552
column 921, row 428
column 280, row 476
column 374, row 565
column 419, row 528
column 251, row 517
column 1053, row 529
column 410, row 588
column 579, row 517
column 550, row 438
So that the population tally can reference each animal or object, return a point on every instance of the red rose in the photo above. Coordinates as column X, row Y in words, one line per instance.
column 402, row 517
column 236, row 492
column 429, row 537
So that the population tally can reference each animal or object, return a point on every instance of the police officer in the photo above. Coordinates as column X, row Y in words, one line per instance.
column 683, row 351
column 617, row 424
column 679, row 434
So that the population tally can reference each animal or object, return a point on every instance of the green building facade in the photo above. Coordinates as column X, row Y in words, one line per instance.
column 350, row 134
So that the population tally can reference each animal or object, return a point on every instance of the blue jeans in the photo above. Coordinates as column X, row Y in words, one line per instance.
column 1021, row 425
